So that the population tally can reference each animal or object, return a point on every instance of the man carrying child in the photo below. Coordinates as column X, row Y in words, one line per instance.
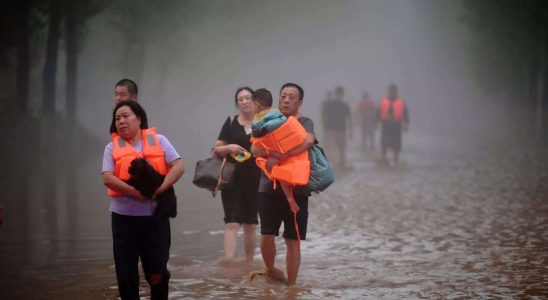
column 274, row 207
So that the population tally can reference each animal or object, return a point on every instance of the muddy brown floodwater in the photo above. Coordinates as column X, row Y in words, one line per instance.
column 447, row 223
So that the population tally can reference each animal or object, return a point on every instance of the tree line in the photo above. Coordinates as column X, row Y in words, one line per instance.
column 511, row 52
column 22, row 21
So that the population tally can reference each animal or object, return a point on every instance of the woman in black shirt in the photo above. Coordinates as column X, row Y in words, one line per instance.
column 240, row 201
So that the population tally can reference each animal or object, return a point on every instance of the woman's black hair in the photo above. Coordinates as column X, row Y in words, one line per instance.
column 136, row 108
column 245, row 88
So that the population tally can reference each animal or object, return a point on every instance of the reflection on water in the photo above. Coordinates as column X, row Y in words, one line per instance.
column 444, row 224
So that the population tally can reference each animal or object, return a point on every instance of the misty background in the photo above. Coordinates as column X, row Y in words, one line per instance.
column 471, row 73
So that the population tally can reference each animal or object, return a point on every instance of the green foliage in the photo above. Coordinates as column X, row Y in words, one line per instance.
column 509, row 42
column 83, row 11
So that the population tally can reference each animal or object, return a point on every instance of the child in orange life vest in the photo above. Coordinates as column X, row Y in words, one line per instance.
column 278, row 135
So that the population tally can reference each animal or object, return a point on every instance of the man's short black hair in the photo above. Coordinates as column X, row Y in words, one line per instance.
column 298, row 87
column 131, row 85
column 263, row 97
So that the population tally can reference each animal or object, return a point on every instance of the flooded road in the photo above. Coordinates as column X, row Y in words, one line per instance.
column 445, row 224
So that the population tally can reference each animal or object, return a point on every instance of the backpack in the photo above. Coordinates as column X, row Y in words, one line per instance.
column 321, row 174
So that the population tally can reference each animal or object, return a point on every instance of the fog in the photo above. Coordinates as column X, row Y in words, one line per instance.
column 196, row 55
column 189, row 57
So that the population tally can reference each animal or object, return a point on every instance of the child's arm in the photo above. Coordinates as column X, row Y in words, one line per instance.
column 259, row 151
column 308, row 142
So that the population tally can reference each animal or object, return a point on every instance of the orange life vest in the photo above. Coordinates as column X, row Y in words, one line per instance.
column 286, row 137
column 397, row 109
column 294, row 170
column 123, row 154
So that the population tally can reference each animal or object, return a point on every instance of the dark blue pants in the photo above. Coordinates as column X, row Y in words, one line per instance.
column 147, row 238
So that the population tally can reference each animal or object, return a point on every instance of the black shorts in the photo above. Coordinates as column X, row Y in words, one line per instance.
column 240, row 205
column 274, row 208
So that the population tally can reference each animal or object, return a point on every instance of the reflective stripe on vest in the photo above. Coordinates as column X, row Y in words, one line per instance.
column 397, row 109
column 123, row 154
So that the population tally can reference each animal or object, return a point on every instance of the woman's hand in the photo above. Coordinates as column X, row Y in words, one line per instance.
column 176, row 170
column 229, row 149
column 118, row 185
column 162, row 188
column 235, row 149
column 137, row 195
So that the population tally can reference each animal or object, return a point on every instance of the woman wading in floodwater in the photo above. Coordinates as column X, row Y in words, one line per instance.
column 239, row 201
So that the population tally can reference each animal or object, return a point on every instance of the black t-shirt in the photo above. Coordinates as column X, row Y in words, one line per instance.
column 234, row 133
column 334, row 115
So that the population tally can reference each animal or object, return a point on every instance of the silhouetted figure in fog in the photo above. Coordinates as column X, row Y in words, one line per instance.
column 273, row 205
column 136, row 233
column 367, row 113
column 125, row 89
column 394, row 117
column 337, row 124
column 240, row 201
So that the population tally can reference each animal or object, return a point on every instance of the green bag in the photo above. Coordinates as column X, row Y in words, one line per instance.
column 321, row 174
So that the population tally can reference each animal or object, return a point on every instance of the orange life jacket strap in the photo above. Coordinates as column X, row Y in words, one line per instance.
column 292, row 201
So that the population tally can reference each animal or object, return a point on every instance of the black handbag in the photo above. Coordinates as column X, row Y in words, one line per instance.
column 214, row 174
